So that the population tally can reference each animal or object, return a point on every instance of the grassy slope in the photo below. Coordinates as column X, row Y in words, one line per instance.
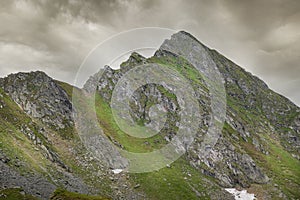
column 180, row 181
column 67, row 87
column 19, row 149
column 15, row 194
column 279, row 165
column 283, row 169
column 60, row 194
column 14, row 143
column 101, row 183
column 167, row 183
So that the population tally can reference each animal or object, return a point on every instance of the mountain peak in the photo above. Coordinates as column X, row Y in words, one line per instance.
column 259, row 143
column 180, row 38
column 25, row 75
column 133, row 60
column 40, row 97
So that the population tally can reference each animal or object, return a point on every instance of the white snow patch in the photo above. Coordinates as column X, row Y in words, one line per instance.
column 240, row 195
column 117, row 171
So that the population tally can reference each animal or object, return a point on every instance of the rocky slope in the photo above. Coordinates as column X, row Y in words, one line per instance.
column 40, row 157
column 256, row 116
column 258, row 148
column 40, row 97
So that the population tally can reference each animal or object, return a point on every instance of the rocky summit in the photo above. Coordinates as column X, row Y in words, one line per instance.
column 42, row 155
column 40, row 97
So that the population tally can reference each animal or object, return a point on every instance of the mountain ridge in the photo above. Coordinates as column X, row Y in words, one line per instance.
column 258, row 148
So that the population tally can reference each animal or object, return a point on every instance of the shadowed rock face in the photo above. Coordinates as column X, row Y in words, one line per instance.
column 40, row 97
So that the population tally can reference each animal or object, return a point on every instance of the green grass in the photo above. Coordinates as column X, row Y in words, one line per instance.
column 15, row 194
column 285, row 170
column 184, row 68
column 88, row 176
column 67, row 88
column 61, row 194
column 175, row 182
column 20, row 149
column 111, row 129
column 279, row 165
column 13, row 142
column 180, row 181
column 167, row 183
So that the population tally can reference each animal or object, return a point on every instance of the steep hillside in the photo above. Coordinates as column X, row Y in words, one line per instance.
column 36, row 155
column 259, row 147
column 42, row 153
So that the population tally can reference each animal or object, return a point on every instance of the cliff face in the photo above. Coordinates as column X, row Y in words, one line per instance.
column 40, row 97
column 257, row 147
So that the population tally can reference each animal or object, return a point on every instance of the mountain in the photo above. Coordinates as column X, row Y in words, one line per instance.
column 42, row 154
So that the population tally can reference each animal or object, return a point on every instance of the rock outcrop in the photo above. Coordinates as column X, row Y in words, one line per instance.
column 40, row 97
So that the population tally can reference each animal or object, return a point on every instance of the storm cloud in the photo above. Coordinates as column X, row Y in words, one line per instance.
column 262, row 36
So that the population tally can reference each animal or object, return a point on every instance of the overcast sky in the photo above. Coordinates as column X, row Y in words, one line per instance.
column 262, row 36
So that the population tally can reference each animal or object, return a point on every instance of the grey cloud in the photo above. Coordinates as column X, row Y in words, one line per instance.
column 55, row 36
